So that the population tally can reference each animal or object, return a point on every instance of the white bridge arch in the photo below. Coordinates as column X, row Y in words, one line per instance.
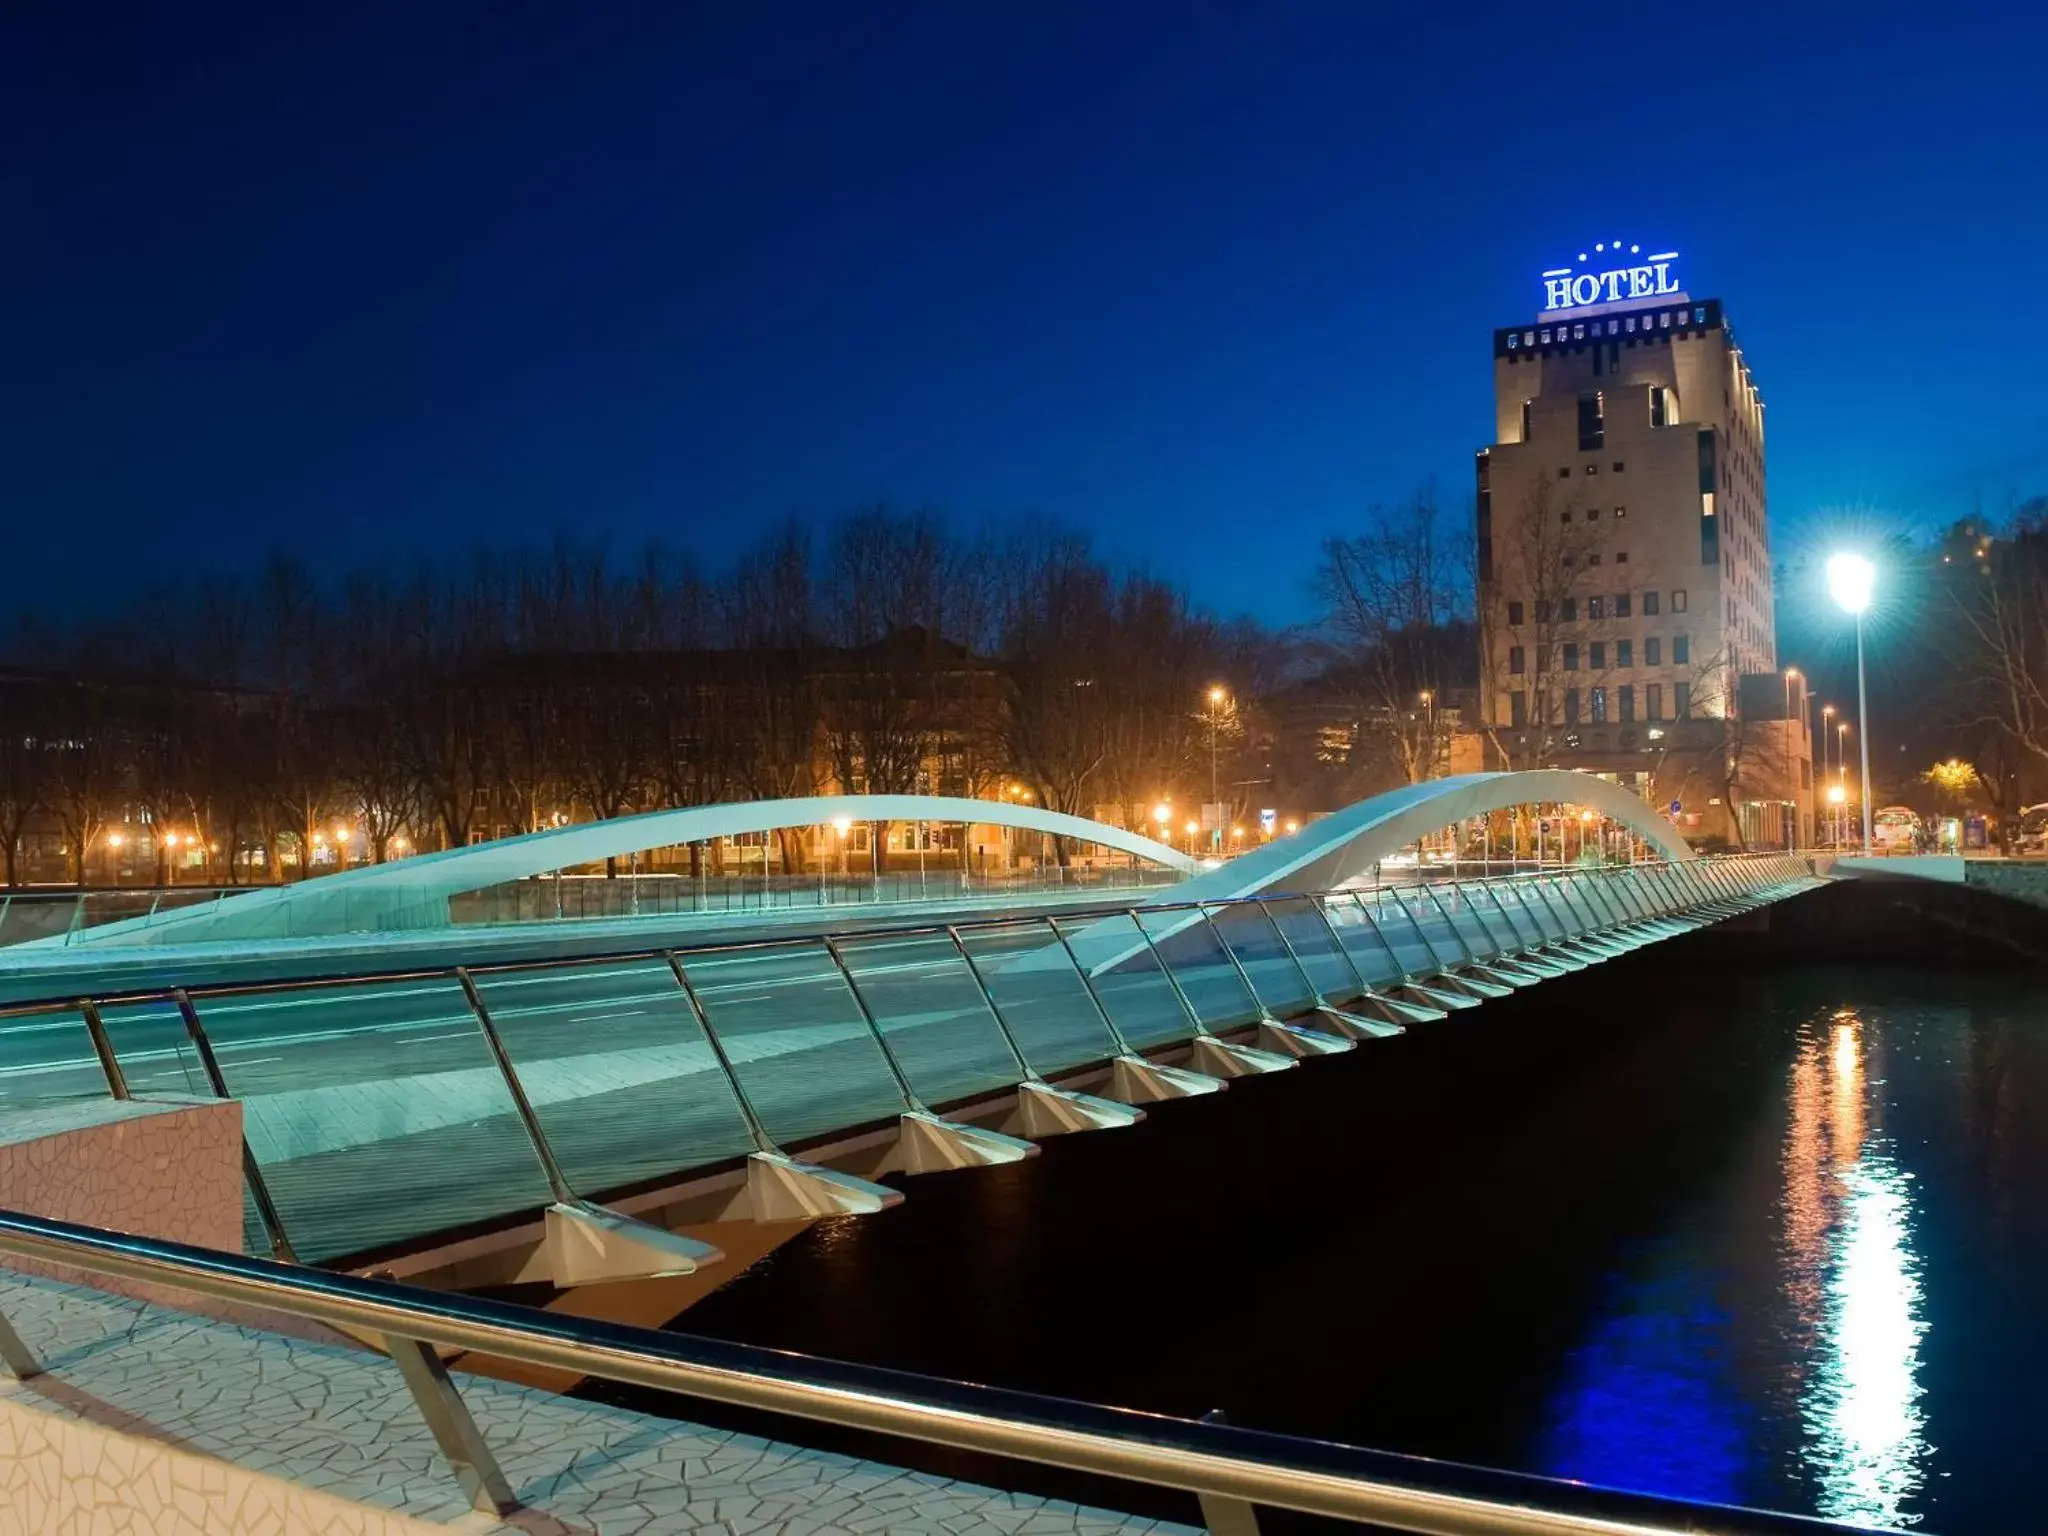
column 1340, row 847
column 413, row 893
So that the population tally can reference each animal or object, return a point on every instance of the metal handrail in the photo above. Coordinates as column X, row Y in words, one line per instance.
column 1215, row 1461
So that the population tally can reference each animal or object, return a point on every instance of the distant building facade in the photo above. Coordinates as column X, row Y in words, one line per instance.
column 1626, row 617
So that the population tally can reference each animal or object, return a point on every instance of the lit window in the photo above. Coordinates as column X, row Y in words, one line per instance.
column 1592, row 469
column 1653, row 704
column 1620, row 511
column 1578, row 333
column 1545, row 333
column 1529, row 338
column 1599, row 703
column 1513, row 340
column 1596, row 607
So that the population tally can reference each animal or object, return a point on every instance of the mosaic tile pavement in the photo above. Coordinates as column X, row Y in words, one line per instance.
column 218, row 1427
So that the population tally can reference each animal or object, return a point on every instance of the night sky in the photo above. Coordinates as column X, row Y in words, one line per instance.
column 1210, row 278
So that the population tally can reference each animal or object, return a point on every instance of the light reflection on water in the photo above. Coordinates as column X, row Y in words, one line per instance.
column 1664, row 1393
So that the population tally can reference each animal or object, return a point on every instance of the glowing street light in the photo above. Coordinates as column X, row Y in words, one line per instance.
column 1163, row 814
column 114, row 839
column 1851, row 581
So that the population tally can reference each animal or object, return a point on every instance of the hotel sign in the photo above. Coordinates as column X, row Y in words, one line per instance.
column 1610, row 275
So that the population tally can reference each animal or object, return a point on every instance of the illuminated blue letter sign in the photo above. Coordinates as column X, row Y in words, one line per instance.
column 1650, row 277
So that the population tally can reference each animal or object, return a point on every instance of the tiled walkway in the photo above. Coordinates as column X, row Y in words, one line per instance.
column 336, row 1419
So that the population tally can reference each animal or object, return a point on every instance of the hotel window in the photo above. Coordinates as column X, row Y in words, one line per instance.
column 1592, row 469
column 1515, row 611
column 1621, row 557
column 1518, row 708
column 1620, row 511
column 1571, row 706
column 1678, row 601
column 1571, row 655
column 1593, row 559
column 1621, row 605
column 1568, row 609
column 1624, row 653
column 1653, row 652
column 1617, row 466
column 1545, row 333
column 1591, row 513
column 1625, row 697
column 1681, row 650
column 1515, row 659
column 1653, row 701
column 1565, row 473
column 1592, row 423
column 1564, row 517
column 1681, row 700
column 1542, row 610
column 1596, row 658
column 1598, row 699
column 1578, row 333
column 1596, row 607
column 1650, row 605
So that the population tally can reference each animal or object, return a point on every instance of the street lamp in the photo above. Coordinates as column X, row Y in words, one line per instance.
column 1836, row 795
column 1216, row 697
column 1851, row 580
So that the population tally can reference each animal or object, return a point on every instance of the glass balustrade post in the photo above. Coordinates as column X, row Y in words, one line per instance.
column 252, row 1171
column 1294, row 956
column 1029, row 1074
column 1123, row 1046
column 1186, row 1007
column 910, row 1098
column 1244, row 975
column 763, row 1142
column 1315, row 904
column 103, row 1048
column 558, row 1182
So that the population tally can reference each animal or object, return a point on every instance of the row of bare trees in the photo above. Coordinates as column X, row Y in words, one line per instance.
column 448, row 701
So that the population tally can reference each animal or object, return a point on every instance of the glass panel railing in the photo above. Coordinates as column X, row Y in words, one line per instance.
column 1501, row 926
column 1456, row 900
column 1535, row 911
column 932, row 1012
column 1434, row 927
column 375, row 1110
column 1195, row 955
column 1553, row 890
column 47, row 1058
column 605, row 1051
column 1363, row 943
column 1040, row 995
column 796, row 1037
column 1399, row 930
column 1125, row 976
column 1588, row 898
column 1329, row 970
column 1247, row 928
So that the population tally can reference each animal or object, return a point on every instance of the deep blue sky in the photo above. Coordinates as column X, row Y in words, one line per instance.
column 1209, row 277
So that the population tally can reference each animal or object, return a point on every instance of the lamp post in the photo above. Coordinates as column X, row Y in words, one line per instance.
column 1851, row 579
column 1216, row 698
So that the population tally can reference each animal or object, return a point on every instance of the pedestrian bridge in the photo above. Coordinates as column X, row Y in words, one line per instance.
column 385, row 1107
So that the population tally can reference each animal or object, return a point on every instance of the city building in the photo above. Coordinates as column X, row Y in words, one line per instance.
column 1624, row 555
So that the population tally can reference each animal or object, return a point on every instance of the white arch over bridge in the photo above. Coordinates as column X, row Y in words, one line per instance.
column 1340, row 847
column 413, row 893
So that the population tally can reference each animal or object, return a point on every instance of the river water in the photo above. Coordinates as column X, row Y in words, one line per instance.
column 1773, row 1236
